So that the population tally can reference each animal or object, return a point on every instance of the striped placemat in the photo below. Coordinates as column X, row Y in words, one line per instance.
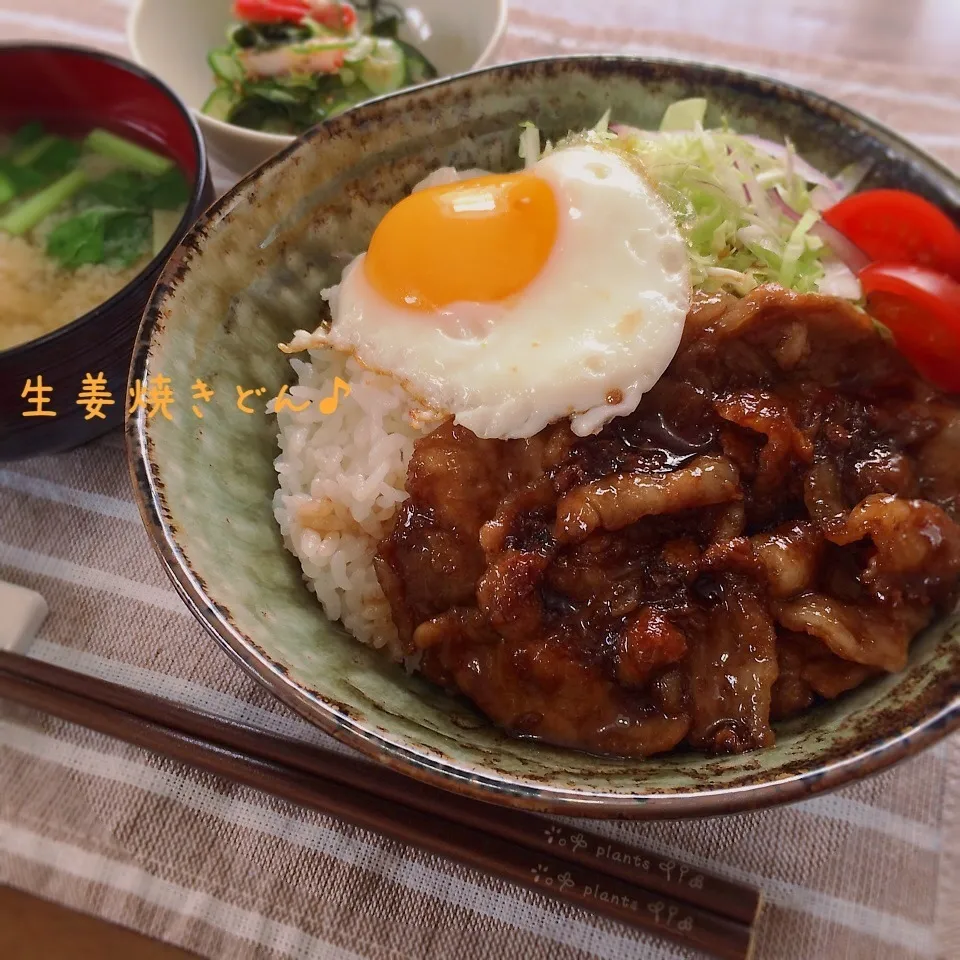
column 872, row 871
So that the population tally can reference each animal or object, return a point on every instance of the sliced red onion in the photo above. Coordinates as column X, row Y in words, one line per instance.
column 822, row 198
column 801, row 167
column 846, row 181
column 777, row 200
column 851, row 255
column 625, row 130
column 755, row 194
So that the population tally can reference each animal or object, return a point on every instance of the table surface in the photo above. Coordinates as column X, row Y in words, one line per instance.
column 35, row 929
column 872, row 871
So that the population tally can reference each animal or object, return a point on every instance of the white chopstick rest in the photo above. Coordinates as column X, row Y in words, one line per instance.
column 21, row 613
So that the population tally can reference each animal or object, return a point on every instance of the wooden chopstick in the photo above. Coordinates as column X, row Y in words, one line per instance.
column 507, row 844
column 593, row 851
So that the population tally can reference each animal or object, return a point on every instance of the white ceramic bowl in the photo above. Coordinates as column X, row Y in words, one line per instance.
column 172, row 38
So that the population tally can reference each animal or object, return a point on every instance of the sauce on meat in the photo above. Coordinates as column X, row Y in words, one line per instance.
column 772, row 525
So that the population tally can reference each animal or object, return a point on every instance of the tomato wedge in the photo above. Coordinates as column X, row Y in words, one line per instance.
column 894, row 226
column 271, row 11
column 337, row 16
column 921, row 308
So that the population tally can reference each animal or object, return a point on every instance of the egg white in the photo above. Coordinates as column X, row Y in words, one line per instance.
column 586, row 339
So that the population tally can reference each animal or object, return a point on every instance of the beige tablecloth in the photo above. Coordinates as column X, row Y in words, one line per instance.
column 871, row 871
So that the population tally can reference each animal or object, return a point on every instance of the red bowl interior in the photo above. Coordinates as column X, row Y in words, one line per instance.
column 72, row 92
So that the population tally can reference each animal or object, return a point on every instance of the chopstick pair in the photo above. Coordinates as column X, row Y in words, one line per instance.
column 624, row 883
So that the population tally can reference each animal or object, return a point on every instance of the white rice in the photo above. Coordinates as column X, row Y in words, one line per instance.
column 342, row 476
column 342, row 479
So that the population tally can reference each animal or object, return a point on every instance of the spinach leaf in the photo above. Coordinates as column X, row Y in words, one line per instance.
column 27, row 135
column 134, row 190
column 58, row 158
column 121, row 188
column 127, row 237
column 102, row 234
column 168, row 191
column 78, row 240
column 22, row 179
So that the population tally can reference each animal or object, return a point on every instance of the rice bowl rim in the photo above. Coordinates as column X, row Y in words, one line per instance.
column 485, row 782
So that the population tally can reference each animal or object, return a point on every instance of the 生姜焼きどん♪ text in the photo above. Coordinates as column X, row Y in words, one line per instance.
column 156, row 397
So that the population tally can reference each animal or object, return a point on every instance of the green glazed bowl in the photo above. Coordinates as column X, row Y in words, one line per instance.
column 251, row 272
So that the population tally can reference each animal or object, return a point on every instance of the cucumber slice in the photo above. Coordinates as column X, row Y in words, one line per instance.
column 220, row 104
column 275, row 93
column 350, row 97
column 225, row 66
column 360, row 50
column 385, row 69
column 321, row 43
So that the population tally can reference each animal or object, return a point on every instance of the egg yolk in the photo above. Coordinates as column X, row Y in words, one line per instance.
column 479, row 240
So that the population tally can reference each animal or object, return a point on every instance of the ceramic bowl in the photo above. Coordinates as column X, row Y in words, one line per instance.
column 173, row 37
column 251, row 272
column 72, row 90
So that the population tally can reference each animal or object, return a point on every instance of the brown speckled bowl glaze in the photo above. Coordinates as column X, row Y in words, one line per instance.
column 251, row 272
column 73, row 90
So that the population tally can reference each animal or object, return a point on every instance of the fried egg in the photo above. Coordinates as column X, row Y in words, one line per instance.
column 514, row 300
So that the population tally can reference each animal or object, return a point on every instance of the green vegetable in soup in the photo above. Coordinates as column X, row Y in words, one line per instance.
column 78, row 241
column 128, row 188
column 21, row 179
column 31, row 211
column 127, row 236
column 26, row 155
column 33, row 160
column 169, row 191
column 109, row 235
column 58, row 157
column 126, row 152
column 114, row 202
column 27, row 135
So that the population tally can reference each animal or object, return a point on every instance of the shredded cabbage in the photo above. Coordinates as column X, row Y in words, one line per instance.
column 747, row 211
column 684, row 115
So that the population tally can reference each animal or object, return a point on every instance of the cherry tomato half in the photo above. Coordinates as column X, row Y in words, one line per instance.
column 894, row 226
column 921, row 308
